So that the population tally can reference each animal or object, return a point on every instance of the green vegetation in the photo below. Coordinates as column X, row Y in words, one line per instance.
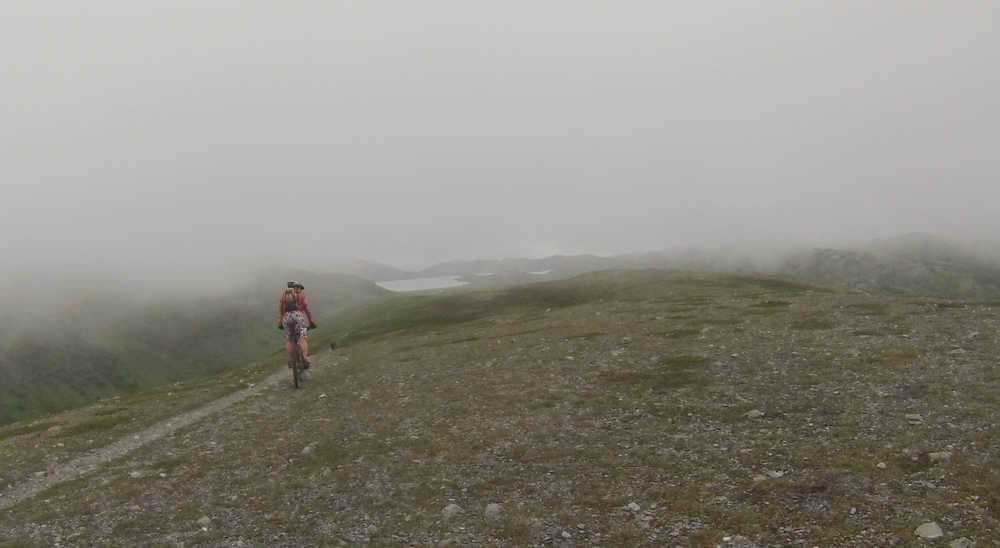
column 22, row 429
column 898, row 272
column 809, row 324
column 773, row 304
column 667, row 374
column 425, row 312
column 102, row 423
column 892, row 356
column 586, row 336
column 141, row 346
column 868, row 308
column 681, row 333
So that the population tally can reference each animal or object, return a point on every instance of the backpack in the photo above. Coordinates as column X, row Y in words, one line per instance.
column 291, row 300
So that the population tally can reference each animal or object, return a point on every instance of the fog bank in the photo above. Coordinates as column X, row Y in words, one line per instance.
column 188, row 143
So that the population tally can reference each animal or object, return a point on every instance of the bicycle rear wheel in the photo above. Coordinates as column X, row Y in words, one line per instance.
column 297, row 366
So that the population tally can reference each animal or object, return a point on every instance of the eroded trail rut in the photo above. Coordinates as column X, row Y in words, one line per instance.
column 93, row 460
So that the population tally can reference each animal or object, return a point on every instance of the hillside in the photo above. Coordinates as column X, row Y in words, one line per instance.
column 641, row 408
column 565, row 265
column 912, row 264
column 102, row 344
column 896, row 273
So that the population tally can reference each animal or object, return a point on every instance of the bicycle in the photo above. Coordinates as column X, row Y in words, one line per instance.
column 297, row 364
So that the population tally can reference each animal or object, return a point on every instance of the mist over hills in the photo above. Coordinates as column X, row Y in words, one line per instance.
column 95, row 340
column 371, row 270
column 101, row 343
column 915, row 263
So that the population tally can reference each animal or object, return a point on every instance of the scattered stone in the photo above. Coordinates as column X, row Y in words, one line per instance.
column 135, row 474
column 493, row 511
column 880, row 465
column 929, row 530
column 307, row 450
column 633, row 507
column 961, row 543
column 940, row 456
column 914, row 418
column 204, row 521
column 54, row 429
column 754, row 414
column 775, row 474
column 39, row 474
column 757, row 478
column 321, row 396
column 451, row 511
column 737, row 541
column 450, row 541
column 566, row 535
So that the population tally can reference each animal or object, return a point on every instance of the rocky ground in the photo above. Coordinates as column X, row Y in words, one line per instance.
column 634, row 409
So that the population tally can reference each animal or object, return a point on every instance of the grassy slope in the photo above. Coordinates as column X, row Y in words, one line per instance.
column 950, row 276
column 103, row 349
column 566, row 402
column 913, row 264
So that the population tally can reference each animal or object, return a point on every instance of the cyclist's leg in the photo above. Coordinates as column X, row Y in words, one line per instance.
column 304, row 345
column 288, row 322
column 302, row 326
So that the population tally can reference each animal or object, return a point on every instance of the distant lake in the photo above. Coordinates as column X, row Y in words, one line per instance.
column 422, row 284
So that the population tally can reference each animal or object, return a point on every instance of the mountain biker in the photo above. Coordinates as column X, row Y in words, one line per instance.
column 293, row 315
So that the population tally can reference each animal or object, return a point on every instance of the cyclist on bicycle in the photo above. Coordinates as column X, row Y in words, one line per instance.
column 294, row 317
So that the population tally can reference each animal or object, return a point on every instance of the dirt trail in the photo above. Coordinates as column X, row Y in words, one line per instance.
column 91, row 461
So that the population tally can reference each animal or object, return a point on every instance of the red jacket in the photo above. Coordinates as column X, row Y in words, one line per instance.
column 302, row 305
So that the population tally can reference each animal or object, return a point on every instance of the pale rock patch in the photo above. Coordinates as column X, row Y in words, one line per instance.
column 493, row 511
column 451, row 511
column 929, row 530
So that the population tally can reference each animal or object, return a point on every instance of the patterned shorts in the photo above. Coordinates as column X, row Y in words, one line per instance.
column 295, row 321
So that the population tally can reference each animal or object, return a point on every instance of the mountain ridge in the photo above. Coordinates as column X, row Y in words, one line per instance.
column 104, row 335
column 914, row 263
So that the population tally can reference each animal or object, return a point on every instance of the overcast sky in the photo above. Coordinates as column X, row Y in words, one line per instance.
column 183, row 136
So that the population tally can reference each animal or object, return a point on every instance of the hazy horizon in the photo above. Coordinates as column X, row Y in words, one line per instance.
column 187, row 141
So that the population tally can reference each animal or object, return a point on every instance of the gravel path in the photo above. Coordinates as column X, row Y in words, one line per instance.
column 91, row 461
